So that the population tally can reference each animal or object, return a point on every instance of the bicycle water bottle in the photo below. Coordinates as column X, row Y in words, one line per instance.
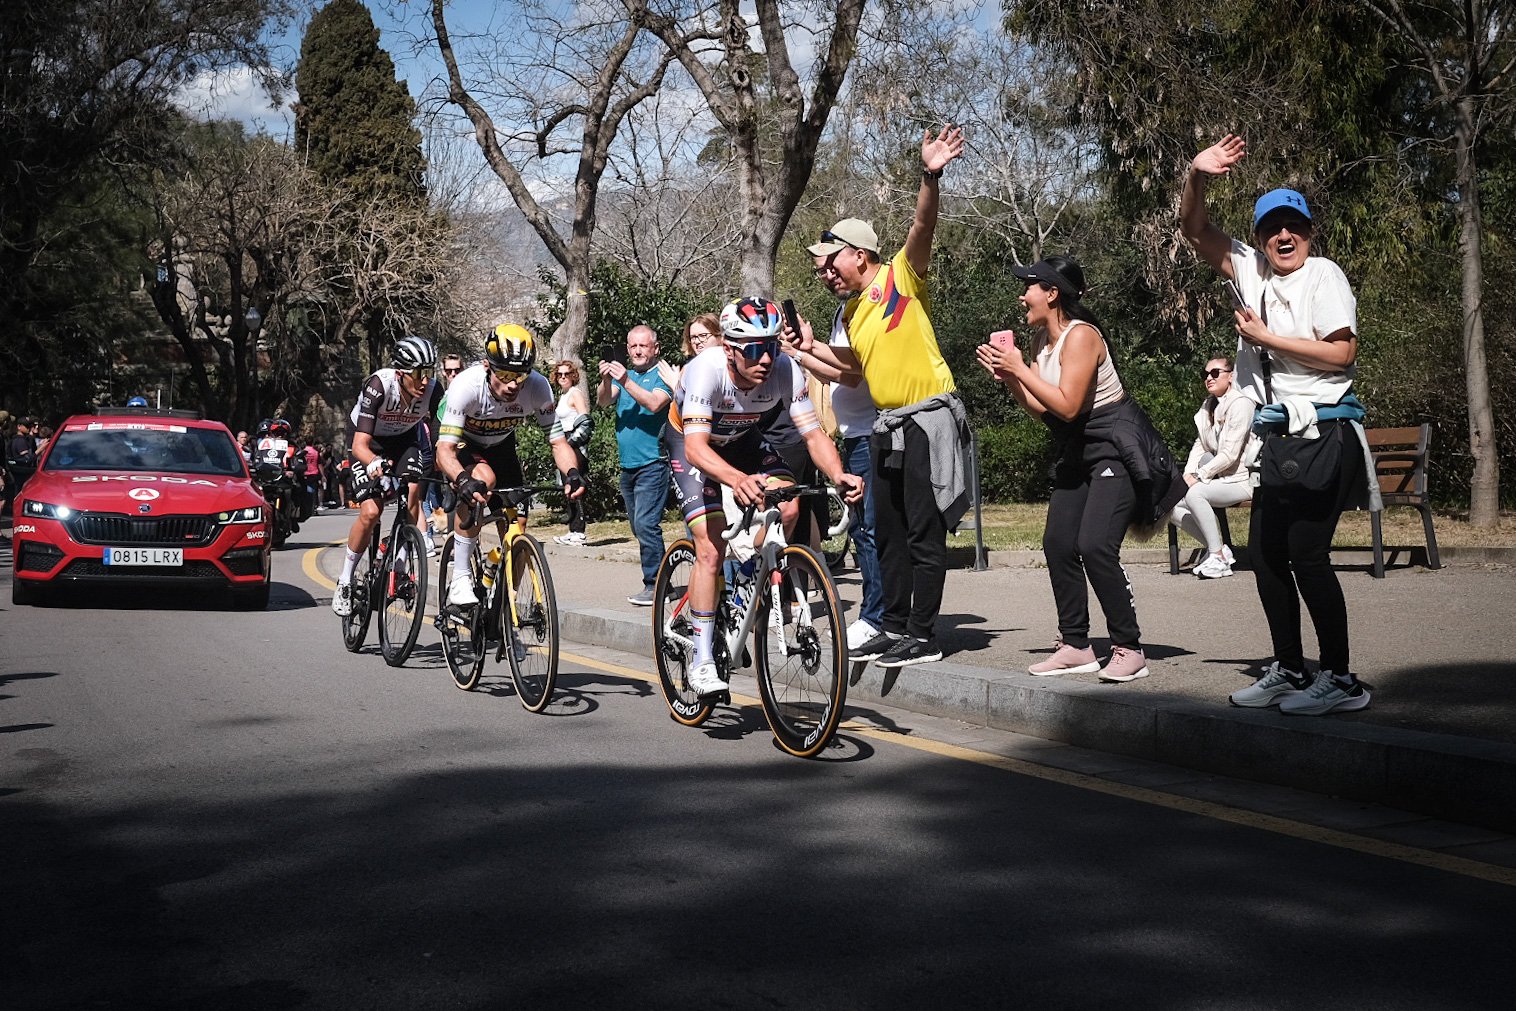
column 490, row 561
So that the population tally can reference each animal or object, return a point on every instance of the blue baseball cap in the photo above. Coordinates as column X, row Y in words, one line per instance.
column 1275, row 199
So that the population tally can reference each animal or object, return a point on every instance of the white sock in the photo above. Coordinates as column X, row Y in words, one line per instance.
column 463, row 547
column 703, row 626
column 349, row 564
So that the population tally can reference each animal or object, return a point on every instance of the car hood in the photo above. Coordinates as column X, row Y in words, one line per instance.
column 126, row 492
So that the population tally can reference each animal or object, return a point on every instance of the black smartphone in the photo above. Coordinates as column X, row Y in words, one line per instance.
column 1234, row 294
column 791, row 318
column 613, row 353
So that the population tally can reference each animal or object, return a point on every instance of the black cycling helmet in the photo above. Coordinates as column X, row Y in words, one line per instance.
column 510, row 348
column 264, row 425
column 413, row 353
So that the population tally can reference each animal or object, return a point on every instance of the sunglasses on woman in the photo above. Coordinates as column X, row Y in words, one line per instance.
column 1214, row 373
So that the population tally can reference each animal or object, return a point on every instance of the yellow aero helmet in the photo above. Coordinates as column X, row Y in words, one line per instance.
column 510, row 348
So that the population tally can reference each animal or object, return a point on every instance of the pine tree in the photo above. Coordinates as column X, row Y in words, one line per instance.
column 354, row 121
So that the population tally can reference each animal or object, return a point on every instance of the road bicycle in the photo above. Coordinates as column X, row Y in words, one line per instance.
column 390, row 577
column 516, row 618
column 785, row 599
column 839, row 518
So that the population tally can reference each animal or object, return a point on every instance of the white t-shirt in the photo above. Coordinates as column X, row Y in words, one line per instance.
column 852, row 406
column 1312, row 303
column 474, row 414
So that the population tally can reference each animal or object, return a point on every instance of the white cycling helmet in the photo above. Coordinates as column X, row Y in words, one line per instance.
column 751, row 319
column 413, row 353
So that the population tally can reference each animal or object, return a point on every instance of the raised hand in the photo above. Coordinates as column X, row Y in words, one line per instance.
column 938, row 151
column 1218, row 159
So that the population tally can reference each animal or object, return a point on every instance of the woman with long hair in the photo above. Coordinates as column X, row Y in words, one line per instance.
column 573, row 414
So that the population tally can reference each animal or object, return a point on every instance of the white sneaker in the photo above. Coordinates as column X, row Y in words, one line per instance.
column 426, row 538
column 1213, row 567
column 1227, row 556
column 460, row 592
column 704, row 680
column 342, row 600
column 858, row 633
column 573, row 538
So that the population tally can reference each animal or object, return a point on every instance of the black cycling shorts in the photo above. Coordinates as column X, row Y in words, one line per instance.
column 501, row 457
column 409, row 451
column 699, row 494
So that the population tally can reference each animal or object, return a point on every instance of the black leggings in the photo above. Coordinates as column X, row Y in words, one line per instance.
column 576, row 505
column 1088, row 515
column 1289, row 544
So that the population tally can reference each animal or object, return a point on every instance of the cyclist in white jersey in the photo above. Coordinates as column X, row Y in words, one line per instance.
column 476, row 449
column 713, row 438
column 386, row 428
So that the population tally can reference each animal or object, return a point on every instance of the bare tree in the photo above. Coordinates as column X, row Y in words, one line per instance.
column 1465, row 49
column 566, row 86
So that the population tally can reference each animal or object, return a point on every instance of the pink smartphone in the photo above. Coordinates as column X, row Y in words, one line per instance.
column 1006, row 341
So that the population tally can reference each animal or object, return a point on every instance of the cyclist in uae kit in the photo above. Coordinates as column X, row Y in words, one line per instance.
column 385, row 428
column 476, row 449
column 713, row 438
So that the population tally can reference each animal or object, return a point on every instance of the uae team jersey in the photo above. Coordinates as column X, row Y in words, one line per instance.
column 382, row 411
column 710, row 401
column 476, row 416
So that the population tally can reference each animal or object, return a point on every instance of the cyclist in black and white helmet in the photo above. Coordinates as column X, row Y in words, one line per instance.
column 386, row 427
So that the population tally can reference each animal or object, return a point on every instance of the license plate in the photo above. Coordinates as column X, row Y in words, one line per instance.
column 144, row 556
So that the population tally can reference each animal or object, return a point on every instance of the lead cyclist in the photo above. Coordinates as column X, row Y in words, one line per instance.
column 713, row 440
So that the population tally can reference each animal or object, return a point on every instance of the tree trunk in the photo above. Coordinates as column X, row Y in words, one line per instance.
column 1484, row 489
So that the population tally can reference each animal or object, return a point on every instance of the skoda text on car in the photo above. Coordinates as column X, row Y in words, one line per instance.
column 142, row 497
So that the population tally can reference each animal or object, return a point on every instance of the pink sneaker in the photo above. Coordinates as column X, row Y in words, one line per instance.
column 1066, row 660
column 1126, row 664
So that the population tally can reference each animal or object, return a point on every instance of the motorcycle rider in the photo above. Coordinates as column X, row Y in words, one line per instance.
column 272, row 460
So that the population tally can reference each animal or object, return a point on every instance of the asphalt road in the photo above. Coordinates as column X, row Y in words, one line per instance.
column 201, row 808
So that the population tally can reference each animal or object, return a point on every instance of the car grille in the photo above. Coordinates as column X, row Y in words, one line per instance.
column 95, row 567
column 37, row 557
column 142, row 531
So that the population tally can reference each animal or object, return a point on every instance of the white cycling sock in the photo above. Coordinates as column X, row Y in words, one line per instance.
column 349, row 564
column 463, row 547
column 703, row 627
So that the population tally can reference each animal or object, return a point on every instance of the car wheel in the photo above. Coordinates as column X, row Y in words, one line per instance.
column 251, row 600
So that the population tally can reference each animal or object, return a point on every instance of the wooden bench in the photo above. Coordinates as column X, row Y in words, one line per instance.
column 1400, row 464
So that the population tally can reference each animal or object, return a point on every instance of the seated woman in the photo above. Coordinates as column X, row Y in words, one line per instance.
column 1217, row 470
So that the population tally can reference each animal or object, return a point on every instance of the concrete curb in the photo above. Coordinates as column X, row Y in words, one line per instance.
column 1456, row 778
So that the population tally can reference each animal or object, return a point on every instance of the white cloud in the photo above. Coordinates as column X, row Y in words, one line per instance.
column 236, row 94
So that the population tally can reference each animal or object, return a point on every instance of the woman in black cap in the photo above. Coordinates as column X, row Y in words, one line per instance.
column 1111, row 468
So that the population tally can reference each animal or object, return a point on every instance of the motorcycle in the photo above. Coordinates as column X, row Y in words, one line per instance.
column 278, row 486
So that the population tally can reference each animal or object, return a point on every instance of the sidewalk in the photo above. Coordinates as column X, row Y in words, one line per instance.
column 1439, row 737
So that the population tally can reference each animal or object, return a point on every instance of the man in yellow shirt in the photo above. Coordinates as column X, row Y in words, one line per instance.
column 918, row 439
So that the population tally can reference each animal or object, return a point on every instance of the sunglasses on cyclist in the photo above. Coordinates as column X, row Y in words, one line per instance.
column 755, row 351
column 423, row 373
column 506, row 376
column 1214, row 373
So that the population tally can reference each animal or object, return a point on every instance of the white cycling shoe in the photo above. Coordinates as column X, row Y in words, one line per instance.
column 342, row 600
column 460, row 592
column 704, row 680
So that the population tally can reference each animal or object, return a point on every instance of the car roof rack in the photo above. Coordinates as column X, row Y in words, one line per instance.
column 152, row 412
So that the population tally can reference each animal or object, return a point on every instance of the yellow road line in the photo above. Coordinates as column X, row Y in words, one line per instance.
column 312, row 570
column 1205, row 808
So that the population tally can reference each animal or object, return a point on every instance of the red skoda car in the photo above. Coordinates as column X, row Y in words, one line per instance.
column 141, row 497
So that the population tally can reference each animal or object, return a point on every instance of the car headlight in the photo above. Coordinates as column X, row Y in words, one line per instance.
column 47, row 511
column 252, row 514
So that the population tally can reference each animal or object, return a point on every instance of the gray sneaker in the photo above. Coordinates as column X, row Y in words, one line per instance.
column 1278, row 683
column 1325, row 694
column 643, row 599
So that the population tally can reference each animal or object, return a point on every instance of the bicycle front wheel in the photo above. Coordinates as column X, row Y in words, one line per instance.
column 532, row 625
column 402, row 594
column 801, row 655
column 462, row 631
column 355, row 625
column 672, row 633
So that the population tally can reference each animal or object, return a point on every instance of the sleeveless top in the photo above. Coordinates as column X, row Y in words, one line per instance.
column 1107, row 390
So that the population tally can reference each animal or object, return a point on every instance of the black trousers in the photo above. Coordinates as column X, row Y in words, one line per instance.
column 1289, row 544
column 910, row 534
column 576, row 505
column 1088, row 515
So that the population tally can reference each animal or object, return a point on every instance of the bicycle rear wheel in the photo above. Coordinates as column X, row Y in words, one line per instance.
column 355, row 625
column 672, row 632
column 801, row 655
column 463, row 639
column 402, row 593
column 531, row 644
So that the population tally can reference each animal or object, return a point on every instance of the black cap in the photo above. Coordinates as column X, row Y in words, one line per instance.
column 1044, row 271
column 24, row 421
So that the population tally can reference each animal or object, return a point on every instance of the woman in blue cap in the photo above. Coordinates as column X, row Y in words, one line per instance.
column 1297, row 339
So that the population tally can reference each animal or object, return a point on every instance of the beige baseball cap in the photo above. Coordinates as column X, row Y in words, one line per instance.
column 853, row 232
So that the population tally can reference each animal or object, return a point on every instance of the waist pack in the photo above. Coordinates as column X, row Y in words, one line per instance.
column 1290, row 463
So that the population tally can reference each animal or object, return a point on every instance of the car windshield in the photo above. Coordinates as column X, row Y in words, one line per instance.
column 137, row 447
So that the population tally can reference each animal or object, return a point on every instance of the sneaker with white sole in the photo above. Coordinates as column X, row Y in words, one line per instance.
column 704, row 680
column 858, row 633
column 1327, row 693
column 1127, row 663
column 426, row 538
column 910, row 651
column 643, row 599
column 1066, row 659
column 342, row 600
column 1213, row 567
column 1277, row 683
column 460, row 592
column 874, row 648
column 573, row 538
column 1227, row 556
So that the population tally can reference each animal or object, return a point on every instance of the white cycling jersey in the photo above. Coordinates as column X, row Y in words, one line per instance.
column 708, row 400
column 381, row 410
column 476, row 416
